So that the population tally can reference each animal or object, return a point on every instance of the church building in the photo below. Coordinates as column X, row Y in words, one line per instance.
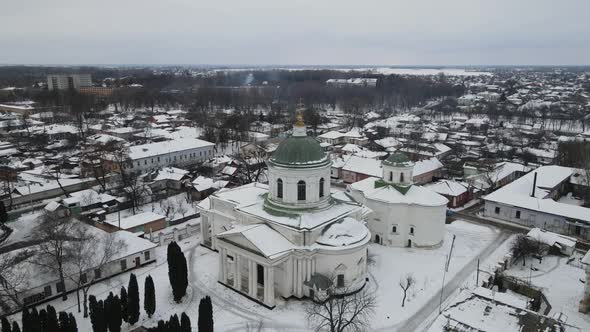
column 404, row 214
column 292, row 237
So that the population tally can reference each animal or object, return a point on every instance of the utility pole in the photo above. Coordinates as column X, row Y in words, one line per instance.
column 445, row 270
column 477, row 275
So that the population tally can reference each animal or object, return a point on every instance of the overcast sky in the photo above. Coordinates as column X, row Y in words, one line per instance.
column 310, row 32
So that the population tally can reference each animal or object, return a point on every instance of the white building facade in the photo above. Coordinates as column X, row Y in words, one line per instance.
column 183, row 152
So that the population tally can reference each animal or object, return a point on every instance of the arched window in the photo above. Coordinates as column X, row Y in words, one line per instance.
column 401, row 177
column 301, row 190
column 279, row 188
column 321, row 187
column 390, row 176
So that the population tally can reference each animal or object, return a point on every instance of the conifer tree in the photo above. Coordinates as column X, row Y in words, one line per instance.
column 174, row 323
column 64, row 322
column 205, row 321
column 52, row 323
column 114, row 318
column 25, row 320
column 185, row 323
column 42, row 326
column 123, row 296
column 132, row 300
column 34, row 321
column 107, row 309
column 73, row 325
column 93, row 308
column 6, row 327
column 15, row 327
column 177, row 271
column 149, row 298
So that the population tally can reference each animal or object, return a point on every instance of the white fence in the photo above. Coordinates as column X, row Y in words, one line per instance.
column 176, row 233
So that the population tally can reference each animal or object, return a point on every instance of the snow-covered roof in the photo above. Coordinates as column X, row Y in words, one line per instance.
column 343, row 233
column 268, row 241
column 243, row 195
column 551, row 238
column 425, row 166
column 415, row 195
column 171, row 146
column 171, row 173
column 136, row 220
column 448, row 187
column 361, row 165
column 518, row 193
column 202, row 183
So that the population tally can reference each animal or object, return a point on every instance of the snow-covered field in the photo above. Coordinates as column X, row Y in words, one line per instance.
column 233, row 312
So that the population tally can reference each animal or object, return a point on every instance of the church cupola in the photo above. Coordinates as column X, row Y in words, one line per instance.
column 398, row 169
column 299, row 171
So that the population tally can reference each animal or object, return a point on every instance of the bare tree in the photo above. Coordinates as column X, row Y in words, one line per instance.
column 251, row 164
column 181, row 206
column 88, row 256
column 12, row 278
column 524, row 246
column 54, row 233
column 340, row 313
column 405, row 283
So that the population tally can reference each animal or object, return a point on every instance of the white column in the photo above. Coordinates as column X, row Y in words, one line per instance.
column 235, row 268
column 251, row 279
column 222, row 262
column 271, row 286
column 255, row 279
column 265, row 293
column 238, row 279
column 299, row 277
column 308, row 261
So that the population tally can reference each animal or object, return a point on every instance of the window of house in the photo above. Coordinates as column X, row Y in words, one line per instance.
column 60, row 287
column 47, row 291
column 97, row 274
column 322, row 187
column 517, row 214
column 340, row 281
column 280, row 188
column 138, row 163
column 83, row 278
column 145, row 162
column 123, row 265
column 497, row 210
column 158, row 159
column 390, row 176
column 412, row 230
column 401, row 177
column 394, row 229
column 301, row 190
column 146, row 255
column 152, row 160
column 174, row 158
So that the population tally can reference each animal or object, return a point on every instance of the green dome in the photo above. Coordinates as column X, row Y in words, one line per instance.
column 299, row 151
column 397, row 159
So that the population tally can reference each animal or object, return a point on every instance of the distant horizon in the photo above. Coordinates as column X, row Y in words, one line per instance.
column 278, row 66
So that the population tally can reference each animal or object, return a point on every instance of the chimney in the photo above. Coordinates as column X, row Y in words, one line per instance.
column 534, row 185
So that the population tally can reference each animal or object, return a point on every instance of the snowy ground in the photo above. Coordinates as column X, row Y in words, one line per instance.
column 233, row 312
column 561, row 283
column 23, row 227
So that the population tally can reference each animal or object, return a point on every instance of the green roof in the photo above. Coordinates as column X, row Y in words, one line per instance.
column 397, row 159
column 299, row 152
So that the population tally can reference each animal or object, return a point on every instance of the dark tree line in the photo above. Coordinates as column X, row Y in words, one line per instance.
column 44, row 320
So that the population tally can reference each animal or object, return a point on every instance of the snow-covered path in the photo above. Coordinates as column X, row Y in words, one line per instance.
column 414, row 322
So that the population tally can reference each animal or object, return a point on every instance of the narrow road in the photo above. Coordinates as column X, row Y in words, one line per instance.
column 413, row 322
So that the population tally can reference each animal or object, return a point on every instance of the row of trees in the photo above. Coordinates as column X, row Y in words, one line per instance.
column 44, row 320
